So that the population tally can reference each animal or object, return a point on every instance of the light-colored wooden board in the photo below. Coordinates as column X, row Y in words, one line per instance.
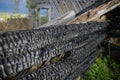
column 95, row 13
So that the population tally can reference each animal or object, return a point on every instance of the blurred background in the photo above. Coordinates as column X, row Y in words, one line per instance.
column 14, row 15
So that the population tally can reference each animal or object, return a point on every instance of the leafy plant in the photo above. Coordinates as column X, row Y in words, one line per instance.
column 104, row 69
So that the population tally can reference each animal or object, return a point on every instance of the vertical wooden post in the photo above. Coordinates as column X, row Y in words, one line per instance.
column 49, row 14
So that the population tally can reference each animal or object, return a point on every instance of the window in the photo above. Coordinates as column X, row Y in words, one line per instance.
column 44, row 15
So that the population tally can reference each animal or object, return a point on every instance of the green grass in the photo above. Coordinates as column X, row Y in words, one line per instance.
column 8, row 15
column 4, row 15
column 104, row 69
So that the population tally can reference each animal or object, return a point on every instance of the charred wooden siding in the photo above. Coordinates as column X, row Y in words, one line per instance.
column 20, row 50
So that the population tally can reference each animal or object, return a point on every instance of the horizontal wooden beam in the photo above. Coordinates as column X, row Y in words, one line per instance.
column 62, row 20
column 95, row 13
